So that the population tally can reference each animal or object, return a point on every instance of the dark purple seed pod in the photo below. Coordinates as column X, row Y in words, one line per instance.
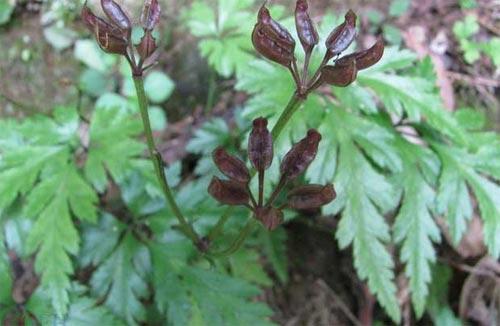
column 272, row 40
column 342, row 74
column 342, row 36
column 150, row 16
column 231, row 166
column 311, row 196
column 92, row 22
column 109, row 37
column 367, row 58
column 111, row 43
column 260, row 145
column 270, row 217
column 88, row 18
column 147, row 46
column 305, row 27
column 228, row 192
column 116, row 14
column 300, row 155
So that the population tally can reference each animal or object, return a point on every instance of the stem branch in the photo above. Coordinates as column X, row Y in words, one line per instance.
column 155, row 156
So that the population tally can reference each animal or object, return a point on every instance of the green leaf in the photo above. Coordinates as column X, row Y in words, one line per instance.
column 416, row 96
column 192, row 295
column 245, row 265
column 213, row 133
column 466, row 28
column 399, row 7
column 415, row 227
column 274, row 248
column 89, row 53
column 41, row 169
column 20, row 169
column 224, row 32
column 120, row 279
column 100, row 240
column 5, row 277
column 438, row 306
column 54, row 237
column 158, row 118
column 84, row 311
column 158, row 86
column 6, row 9
column 470, row 119
column 95, row 83
column 469, row 169
column 363, row 196
column 112, row 147
column 60, row 37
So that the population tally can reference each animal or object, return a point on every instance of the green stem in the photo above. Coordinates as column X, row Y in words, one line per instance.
column 217, row 229
column 290, row 109
column 155, row 156
column 240, row 239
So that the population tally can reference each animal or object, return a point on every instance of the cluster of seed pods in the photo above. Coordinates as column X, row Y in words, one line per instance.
column 236, row 190
column 115, row 36
column 275, row 42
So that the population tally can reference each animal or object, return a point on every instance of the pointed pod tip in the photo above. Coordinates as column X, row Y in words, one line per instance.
column 313, row 135
column 264, row 15
column 260, row 123
column 301, row 5
column 351, row 17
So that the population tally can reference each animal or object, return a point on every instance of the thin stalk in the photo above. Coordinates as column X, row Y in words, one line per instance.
column 276, row 191
column 323, row 63
column 292, row 106
column 240, row 239
column 261, row 187
column 252, row 198
column 305, row 72
column 290, row 109
column 155, row 156
column 296, row 77
column 217, row 229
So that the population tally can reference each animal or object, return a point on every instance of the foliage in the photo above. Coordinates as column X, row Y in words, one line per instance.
column 377, row 171
column 464, row 31
column 39, row 168
column 6, row 9
column 223, row 30
column 77, row 192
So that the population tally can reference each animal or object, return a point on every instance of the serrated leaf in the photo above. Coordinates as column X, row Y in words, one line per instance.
column 245, row 265
column 485, row 191
column 416, row 97
column 112, row 146
column 212, row 134
column 224, row 29
column 53, row 236
column 120, row 279
column 453, row 200
column 363, row 195
column 85, row 311
column 100, row 240
column 415, row 227
column 20, row 169
column 191, row 295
